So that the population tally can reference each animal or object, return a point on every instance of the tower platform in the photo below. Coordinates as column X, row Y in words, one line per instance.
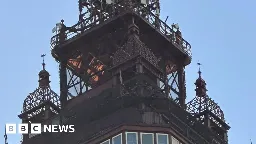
column 159, row 38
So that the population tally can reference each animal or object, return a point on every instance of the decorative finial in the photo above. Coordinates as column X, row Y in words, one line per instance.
column 199, row 70
column 43, row 55
column 251, row 141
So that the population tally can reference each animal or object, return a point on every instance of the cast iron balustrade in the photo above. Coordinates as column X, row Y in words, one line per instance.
column 151, row 18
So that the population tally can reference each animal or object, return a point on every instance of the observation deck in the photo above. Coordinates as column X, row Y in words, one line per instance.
column 150, row 24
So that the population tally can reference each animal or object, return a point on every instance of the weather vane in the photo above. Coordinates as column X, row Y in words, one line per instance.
column 199, row 71
column 199, row 64
column 43, row 55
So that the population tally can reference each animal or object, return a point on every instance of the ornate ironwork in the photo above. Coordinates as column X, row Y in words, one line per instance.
column 189, row 127
column 96, row 11
column 39, row 96
column 120, row 56
column 134, row 90
column 76, row 85
column 201, row 104
column 92, row 55
column 174, row 84
column 134, row 87
column 36, row 101
column 133, row 48
column 147, row 12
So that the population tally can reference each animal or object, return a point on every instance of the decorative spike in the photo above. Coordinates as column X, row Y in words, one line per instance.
column 199, row 70
column 43, row 55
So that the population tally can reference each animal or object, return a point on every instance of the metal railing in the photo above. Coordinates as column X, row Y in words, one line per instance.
column 151, row 18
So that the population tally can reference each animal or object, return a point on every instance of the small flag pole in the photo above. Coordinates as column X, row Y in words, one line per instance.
column 5, row 136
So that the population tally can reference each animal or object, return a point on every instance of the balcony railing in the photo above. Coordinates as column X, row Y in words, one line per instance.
column 151, row 18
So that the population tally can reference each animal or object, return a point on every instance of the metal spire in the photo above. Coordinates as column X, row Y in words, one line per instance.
column 199, row 70
column 43, row 55
column 5, row 136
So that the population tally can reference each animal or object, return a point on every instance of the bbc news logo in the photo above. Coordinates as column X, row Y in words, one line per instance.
column 37, row 128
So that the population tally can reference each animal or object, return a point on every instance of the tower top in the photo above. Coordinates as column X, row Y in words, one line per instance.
column 99, row 9
column 207, row 110
column 200, row 83
column 43, row 102
column 43, row 71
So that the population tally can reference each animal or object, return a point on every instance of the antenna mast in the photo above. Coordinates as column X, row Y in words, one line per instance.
column 5, row 136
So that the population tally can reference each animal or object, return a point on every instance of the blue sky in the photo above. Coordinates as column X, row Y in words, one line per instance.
column 222, row 35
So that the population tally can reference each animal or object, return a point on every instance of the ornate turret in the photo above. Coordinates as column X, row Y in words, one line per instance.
column 41, row 104
column 44, row 77
column 205, row 110
column 200, row 85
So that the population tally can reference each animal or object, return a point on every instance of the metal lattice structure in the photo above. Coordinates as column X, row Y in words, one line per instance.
column 174, row 85
column 148, row 12
column 134, row 48
column 201, row 104
column 39, row 97
column 43, row 102
column 95, row 13
column 206, row 111
column 100, row 10
column 121, row 69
